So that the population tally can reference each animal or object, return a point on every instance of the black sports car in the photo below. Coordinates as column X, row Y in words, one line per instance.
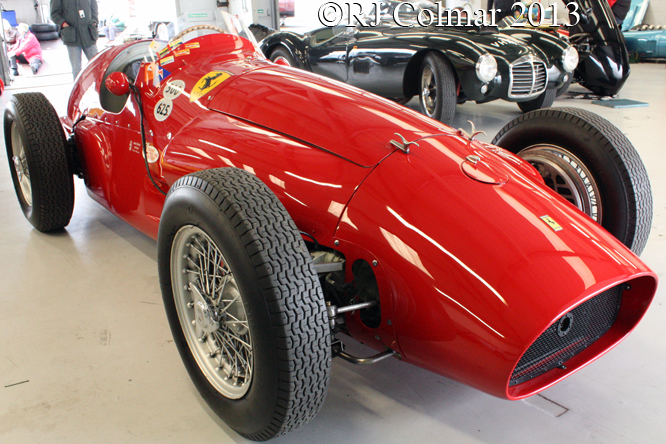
column 443, row 65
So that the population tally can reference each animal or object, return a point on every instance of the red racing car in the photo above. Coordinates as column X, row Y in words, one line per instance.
column 291, row 210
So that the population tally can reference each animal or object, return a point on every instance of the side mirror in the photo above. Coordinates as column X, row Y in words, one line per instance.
column 117, row 83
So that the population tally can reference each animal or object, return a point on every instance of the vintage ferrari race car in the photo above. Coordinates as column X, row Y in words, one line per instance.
column 291, row 211
column 442, row 65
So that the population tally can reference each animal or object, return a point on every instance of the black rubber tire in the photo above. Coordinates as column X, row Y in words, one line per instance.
column 611, row 159
column 283, row 299
column 543, row 100
column 43, row 28
column 46, row 36
column 47, row 161
column 445, row 88
column 282, row 52
column 565, row 86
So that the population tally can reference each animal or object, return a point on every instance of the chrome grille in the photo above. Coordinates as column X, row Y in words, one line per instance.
column 529, row 78
column 585, row 324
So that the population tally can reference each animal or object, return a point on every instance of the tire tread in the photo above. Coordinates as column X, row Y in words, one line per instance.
column 290, row 286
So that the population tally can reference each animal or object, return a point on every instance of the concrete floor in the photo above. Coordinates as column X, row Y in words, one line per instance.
column 86, row 355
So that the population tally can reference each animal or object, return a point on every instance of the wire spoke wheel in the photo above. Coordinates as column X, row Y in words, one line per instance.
column 567, row 175
column 211, row 311
column 39, row 161
column 21, row 165
column 590, row 163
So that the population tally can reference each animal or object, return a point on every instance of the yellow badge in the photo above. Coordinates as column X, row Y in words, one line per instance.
column 164, row 51
column 207, row 83
column 193, row 45
column 551, row 223
column 182, row 52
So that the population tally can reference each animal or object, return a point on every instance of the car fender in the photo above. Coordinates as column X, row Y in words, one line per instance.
column 295, row 44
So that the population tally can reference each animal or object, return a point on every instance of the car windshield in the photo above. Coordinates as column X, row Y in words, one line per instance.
column 198, row 23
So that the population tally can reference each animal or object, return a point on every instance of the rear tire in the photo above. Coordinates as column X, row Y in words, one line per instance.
column 438, row 88
column 589, row 162
column 543, row 100
column 283, row 329
column 38, row 160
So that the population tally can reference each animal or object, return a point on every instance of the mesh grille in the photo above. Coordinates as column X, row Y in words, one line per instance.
column 528, row 78
column 583, row 325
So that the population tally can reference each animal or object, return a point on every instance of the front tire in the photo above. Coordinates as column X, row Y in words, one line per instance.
column 38, row 160
column 438, row 88
column 590, row 163
column 543, row 100
column 244, row 303
column 282, row 57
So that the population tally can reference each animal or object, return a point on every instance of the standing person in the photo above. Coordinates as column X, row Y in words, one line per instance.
column 77, row 20
column 26, row 50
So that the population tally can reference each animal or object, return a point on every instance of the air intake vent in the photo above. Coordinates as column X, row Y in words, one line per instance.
column 570, row 335
column 528, row 78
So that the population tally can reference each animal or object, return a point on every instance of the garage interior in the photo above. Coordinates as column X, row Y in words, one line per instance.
column 87, row 355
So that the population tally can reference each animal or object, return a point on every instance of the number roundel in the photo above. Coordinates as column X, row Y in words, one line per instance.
column 163, row 109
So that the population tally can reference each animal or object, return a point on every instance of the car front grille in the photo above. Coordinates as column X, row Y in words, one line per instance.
column 529, row 78
column 570, row 335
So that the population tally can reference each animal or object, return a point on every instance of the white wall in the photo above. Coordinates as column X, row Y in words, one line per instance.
column 25, row 9
column 656, row 13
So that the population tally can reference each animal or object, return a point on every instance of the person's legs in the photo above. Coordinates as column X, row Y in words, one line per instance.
column 75, row 59
column 13, row 65
column 34, row 65
column 90, row 51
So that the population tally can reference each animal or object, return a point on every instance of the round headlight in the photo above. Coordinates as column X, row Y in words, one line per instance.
column 570, row 59
column 486, row 68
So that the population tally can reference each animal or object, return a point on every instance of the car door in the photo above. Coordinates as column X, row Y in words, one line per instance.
column 328, row 51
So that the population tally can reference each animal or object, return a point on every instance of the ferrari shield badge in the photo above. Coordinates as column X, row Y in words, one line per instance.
column 208, row 83
column 551, row 223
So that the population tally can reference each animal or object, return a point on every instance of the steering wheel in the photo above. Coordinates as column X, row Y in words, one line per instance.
column 184, row 32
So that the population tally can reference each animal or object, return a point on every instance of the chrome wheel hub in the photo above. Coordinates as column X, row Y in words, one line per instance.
column 21, row 165
column 211, row 312
column 428, row 91
column 567, row 175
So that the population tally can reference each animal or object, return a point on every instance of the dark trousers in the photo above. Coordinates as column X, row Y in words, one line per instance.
column 15, row 60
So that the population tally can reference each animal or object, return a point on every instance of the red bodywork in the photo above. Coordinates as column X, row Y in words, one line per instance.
column 468, row 273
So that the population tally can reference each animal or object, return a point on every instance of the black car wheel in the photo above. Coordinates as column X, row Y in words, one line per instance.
column 590, row 163
column 283, row 57
column 40, row 168
column 244, row 303
column 543, row 100
column 438, row 88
